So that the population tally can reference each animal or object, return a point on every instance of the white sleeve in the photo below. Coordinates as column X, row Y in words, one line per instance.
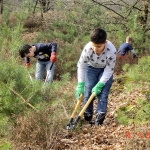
column 80, row 74
column 109, row 69
column 82, row 63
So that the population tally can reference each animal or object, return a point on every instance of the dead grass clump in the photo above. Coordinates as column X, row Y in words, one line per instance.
column 1, row 20
column 35, row 131
column 29, row 37
column 120, row 62
column 33, row 21
column 40, row 20
column 12, row 20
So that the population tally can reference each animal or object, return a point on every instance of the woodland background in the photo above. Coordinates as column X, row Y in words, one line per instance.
column 34, row 116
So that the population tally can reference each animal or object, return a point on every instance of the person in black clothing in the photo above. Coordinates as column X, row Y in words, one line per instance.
column 45, row 55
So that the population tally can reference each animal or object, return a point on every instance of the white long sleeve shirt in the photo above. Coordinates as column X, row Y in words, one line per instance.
column 105, row 60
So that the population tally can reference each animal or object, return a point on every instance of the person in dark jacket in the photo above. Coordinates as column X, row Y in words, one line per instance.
column 126, row 47
column 45, row 55
column 123, row 54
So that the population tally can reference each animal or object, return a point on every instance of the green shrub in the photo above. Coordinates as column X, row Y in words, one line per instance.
column 16, row 89
column 140, row 72
column 5, row 145
column 138, row 115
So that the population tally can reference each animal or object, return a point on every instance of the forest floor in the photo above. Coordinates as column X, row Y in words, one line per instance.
column 111, row 135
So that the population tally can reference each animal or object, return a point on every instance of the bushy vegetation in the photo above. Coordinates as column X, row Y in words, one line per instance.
column 137, row 115
column 33, row 110
column 139, row 74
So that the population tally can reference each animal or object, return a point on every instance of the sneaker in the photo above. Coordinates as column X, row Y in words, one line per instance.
column 88, row 116
column 100, row 118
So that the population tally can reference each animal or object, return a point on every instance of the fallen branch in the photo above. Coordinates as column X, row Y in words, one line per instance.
column 20, row 96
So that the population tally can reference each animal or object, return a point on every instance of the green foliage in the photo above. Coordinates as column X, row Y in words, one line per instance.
column 5, row 145
column 126, row 67
column 11, row 38
column 5, row 32
column 122, row 118
column 118, row 34
column 17, row 90
column 140, row 72
column 71, row 30
column 117, row 37
column 124, row 115
column 10, row 80
column 10, row 76
column 147, row 93
column 138, row 34
column 143, row 113
column 3, row 125
column 138, row 115
column 62, row 31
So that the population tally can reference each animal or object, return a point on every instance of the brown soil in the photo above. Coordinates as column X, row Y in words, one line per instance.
column 110, row 135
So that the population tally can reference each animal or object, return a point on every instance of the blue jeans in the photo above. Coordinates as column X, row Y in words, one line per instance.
column 40, row 66
column 92, row 77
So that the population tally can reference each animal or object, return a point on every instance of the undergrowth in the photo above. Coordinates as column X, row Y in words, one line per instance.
column 137, row 115
column 137, row 75
column 33, row 114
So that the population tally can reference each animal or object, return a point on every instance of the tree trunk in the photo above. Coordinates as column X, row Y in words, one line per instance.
column 1, row 6
column 43, row 4
column 144, row 15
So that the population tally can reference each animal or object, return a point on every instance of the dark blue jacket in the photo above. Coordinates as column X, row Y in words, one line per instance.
column 43, row 51
column 124, row 48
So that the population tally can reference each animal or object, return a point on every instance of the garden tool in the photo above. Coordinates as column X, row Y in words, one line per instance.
column 48, row 73
column 72, row 123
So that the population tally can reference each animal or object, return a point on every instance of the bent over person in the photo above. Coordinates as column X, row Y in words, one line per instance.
column 95, row 73
column 123, row 56
column 45, row 55
column 126, row 47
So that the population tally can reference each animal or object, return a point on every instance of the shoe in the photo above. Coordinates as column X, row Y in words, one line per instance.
column 88, row 116
column 100, row 118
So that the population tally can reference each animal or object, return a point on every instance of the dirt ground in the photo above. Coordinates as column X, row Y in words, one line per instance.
column 110, row 135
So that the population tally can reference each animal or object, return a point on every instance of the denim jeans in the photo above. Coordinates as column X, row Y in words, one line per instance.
column 92, row 77
column 40, row 66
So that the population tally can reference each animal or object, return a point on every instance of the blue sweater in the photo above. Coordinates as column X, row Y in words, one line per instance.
column 124, row 48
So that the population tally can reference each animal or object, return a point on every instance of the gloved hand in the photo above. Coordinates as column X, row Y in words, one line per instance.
column 97, row 88
column 53, row 57
column 27, row 65
column 135, row 56
column 80, row 89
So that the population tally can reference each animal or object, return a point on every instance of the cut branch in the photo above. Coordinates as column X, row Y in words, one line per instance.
column 20, row 96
